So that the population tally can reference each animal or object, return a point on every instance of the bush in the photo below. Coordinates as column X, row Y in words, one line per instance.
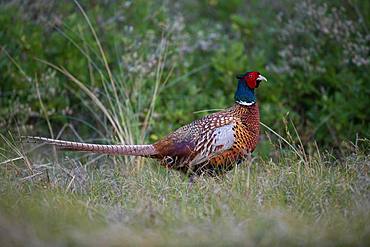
column 315, row 55
column 322, row 72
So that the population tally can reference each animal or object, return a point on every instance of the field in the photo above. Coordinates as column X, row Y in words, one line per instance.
column 133, row 71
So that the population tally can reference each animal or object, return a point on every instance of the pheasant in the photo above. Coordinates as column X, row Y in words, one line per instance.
column 210, row 145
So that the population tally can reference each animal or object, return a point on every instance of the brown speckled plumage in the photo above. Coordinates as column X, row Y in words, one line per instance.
column 211, row 145
column 178, row 149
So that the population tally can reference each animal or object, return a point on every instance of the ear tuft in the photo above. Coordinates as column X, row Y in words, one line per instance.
column 241, row 76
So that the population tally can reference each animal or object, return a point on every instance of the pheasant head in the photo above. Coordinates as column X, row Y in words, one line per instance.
column 247, row 82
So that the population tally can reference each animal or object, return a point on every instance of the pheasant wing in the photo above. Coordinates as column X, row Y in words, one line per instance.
column 213, row 142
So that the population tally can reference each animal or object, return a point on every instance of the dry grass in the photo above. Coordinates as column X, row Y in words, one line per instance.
column 323, row 201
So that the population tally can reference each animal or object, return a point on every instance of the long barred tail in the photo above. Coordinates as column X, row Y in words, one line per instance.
column 136, row 150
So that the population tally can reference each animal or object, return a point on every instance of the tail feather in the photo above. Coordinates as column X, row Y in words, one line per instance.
column 135, row 150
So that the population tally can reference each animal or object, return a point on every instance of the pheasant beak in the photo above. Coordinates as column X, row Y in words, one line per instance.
column 261, row 78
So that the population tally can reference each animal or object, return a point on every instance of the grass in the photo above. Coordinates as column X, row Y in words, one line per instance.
column 323, row 201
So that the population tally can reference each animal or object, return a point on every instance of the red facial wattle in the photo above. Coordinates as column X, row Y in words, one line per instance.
column 251, row 79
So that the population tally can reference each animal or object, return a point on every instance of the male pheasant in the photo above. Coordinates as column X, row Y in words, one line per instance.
column 210, row 145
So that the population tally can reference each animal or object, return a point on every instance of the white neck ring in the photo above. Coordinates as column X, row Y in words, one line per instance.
column 240, row 102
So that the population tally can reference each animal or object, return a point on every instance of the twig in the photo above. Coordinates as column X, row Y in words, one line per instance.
column 31, row 176
column 11, row 160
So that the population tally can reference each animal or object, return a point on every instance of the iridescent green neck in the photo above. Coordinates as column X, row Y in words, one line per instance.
column 244, row 95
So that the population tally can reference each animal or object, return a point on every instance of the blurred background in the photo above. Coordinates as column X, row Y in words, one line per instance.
column 315, row 55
